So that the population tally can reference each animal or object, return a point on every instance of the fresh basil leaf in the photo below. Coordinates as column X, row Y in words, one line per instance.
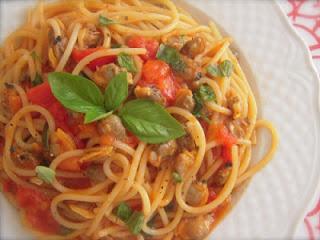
column 45, row 173
column 226, row 68
column 103, row 21
column 45, row 136
column 37, row 80
column 126, row 61
column 76, row 93
column 214, row 70
column 95, row 115
column 135, row 222
column 171, row 56
column 116, row 92
column 150, row 122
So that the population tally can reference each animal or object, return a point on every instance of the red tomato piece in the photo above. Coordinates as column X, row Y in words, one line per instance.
column 221, row 134
column 78, row 55
column 76, row 183
column 212, row 195
column 37, row 209
column 135, row 205
column 158, row 74
column 132, row 140
column 151, row 45
column 227, row 153
column 9, row 186
column 42, row 95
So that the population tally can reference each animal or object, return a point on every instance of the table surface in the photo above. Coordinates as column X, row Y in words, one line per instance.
column 305, row 17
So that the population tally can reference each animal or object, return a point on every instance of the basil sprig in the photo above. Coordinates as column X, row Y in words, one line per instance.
column 116, row 92
column 224, row 69
column 171, row 56
column 149, row 121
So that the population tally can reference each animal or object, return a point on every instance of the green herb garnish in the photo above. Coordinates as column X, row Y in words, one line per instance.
column 116, row 92
column 171, row 56
column 45, row 173
column 214, row 70
column 150, row 122
column 224, row 69
column 203, row 94
column 135, row 222
column 176, row 177
column 103, row 21
column 37, row 80
column 124, row 211
column 35, row 56
column 126, row 61
column 146, row 119
column 116, row 45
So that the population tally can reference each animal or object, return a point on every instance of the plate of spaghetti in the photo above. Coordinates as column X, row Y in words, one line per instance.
column 128, row 119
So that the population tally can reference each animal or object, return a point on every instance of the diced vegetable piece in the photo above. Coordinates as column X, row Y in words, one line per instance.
column 141, row 42
column 78, row 55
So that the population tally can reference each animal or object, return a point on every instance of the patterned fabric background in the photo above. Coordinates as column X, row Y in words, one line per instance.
column 305, row 16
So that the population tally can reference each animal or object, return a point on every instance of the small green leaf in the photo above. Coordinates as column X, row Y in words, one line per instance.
column 226, row 68
column 135, row 222
column 203, row 94
column 150, row 122
column 171, row 56
column 45, row 173
column 126, row 61
column 76, row 93
column 206, row 93
column 214, row 70
column 35, row 56
column 65, row 231
column 45, row 136
column 198, row 105
column 105, row 21
column 116, row 92
column 124, row 211
column 95, row 115
column 116, row 45
column 37, row 80
column 176, row 177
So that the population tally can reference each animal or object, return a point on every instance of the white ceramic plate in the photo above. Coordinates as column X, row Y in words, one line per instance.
column 287, row 86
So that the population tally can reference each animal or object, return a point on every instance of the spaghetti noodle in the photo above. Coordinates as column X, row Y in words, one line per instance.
column 110, row 177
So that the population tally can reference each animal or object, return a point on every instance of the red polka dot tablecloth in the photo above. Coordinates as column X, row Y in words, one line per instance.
column 305, row 17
